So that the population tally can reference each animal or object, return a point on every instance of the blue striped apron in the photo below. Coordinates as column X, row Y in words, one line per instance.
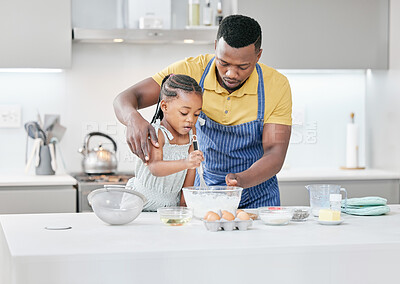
column 234, row 148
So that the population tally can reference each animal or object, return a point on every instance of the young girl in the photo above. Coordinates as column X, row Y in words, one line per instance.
column 171, row 165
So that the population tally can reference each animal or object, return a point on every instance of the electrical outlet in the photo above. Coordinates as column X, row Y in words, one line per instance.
column 10, row 116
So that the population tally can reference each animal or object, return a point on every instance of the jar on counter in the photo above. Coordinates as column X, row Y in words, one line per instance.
column 207, row 14
column 194, row 12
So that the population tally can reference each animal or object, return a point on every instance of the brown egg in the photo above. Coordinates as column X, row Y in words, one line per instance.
column 228, row 216
column 243, row 216
column 212, row 216
column 238, row 211
column 208, row 213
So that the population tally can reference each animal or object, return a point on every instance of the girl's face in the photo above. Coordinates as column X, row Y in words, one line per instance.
column 181, row 112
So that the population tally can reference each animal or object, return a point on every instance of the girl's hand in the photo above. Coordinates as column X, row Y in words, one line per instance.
column 231, row 180
column 194, row 159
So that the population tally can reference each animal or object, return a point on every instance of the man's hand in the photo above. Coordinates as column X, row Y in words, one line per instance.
column 143, row 94
column 231, row 180
column 138, row 134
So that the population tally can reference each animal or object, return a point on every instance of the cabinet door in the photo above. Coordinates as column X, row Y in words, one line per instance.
column 35, row 199
column 294, row 192
column 322, row 34
column 35, row 34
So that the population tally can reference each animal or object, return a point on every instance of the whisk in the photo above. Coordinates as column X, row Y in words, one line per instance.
column 200, row 169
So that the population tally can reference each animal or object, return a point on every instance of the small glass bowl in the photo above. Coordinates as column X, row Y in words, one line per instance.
column 276, row 215
column 175, row 216
column 300, row 214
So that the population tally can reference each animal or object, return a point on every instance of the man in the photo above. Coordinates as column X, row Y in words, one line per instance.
column 245, row 124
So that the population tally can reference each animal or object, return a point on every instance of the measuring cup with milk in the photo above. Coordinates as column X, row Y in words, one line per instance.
column 320, row 193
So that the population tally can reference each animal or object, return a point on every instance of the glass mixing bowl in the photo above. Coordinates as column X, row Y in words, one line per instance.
column 116, row 205
column 214, row 198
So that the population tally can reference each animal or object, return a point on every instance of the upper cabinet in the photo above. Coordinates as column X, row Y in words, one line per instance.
column 151, row 21
column 322, row 34
column 297, row 34
column 35, row 34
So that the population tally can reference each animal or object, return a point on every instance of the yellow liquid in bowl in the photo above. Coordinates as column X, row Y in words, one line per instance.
column 175, row 221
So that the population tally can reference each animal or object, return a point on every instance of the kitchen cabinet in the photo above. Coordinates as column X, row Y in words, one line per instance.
column 35, row 34
column 358, row 183
column 37, row 194
column 37, row 199
column 322, row 34
column 105, row 21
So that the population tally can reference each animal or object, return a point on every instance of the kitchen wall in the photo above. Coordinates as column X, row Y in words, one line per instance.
column 383, row 103
column 83, row 95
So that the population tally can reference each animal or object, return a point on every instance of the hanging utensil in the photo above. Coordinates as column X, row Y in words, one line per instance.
column 58, row 131
column 35, row 131
column 53, row 161
column 37, row 161
column 50, row 120
column 35, row 150
column 39, row 119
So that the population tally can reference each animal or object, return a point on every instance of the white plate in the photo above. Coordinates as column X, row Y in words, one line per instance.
column 330, row 222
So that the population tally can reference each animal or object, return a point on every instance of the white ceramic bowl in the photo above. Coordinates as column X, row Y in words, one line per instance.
column 214, row 198
column 116, row 205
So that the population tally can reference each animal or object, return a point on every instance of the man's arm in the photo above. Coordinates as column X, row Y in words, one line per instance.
column 141, row 95
column 275, row 142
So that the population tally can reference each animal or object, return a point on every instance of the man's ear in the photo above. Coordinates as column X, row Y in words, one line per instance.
column 259, row 54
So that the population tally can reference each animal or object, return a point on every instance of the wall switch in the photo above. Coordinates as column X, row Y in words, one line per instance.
column 10, row 116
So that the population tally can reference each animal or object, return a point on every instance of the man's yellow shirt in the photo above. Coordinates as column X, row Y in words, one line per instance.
column 241, row 105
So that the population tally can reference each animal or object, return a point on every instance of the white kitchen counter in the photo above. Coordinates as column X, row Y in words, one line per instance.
column 35, row 180
column 284, row 175
column 361, row 250
column 320, row 174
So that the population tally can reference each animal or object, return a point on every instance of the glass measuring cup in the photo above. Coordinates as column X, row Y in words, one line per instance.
column 319, row 196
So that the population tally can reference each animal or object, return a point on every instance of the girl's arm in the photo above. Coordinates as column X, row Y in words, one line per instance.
column 158, row 167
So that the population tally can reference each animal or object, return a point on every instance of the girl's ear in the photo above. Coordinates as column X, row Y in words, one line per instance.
column 163, row 105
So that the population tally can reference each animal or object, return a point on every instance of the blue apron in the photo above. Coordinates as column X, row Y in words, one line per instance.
column 234, row 148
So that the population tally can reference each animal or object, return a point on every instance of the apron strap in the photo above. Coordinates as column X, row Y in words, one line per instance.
column 261, row 93
column 203, row 77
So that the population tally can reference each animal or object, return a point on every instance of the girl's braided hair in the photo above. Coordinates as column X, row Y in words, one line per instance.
column 169, row 87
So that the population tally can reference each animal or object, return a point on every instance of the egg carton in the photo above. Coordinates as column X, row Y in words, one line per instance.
column 225, row 225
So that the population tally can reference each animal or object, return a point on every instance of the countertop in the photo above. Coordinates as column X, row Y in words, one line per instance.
column 284, row 175
column 315, row 174
column 35, row 180
column 360, row 250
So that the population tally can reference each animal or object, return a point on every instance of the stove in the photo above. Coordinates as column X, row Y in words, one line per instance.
column 86, row 183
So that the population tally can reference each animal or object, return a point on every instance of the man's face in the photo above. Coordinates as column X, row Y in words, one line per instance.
column 234, row 65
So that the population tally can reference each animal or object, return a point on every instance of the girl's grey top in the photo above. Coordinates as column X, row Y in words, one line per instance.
column 161, row 191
